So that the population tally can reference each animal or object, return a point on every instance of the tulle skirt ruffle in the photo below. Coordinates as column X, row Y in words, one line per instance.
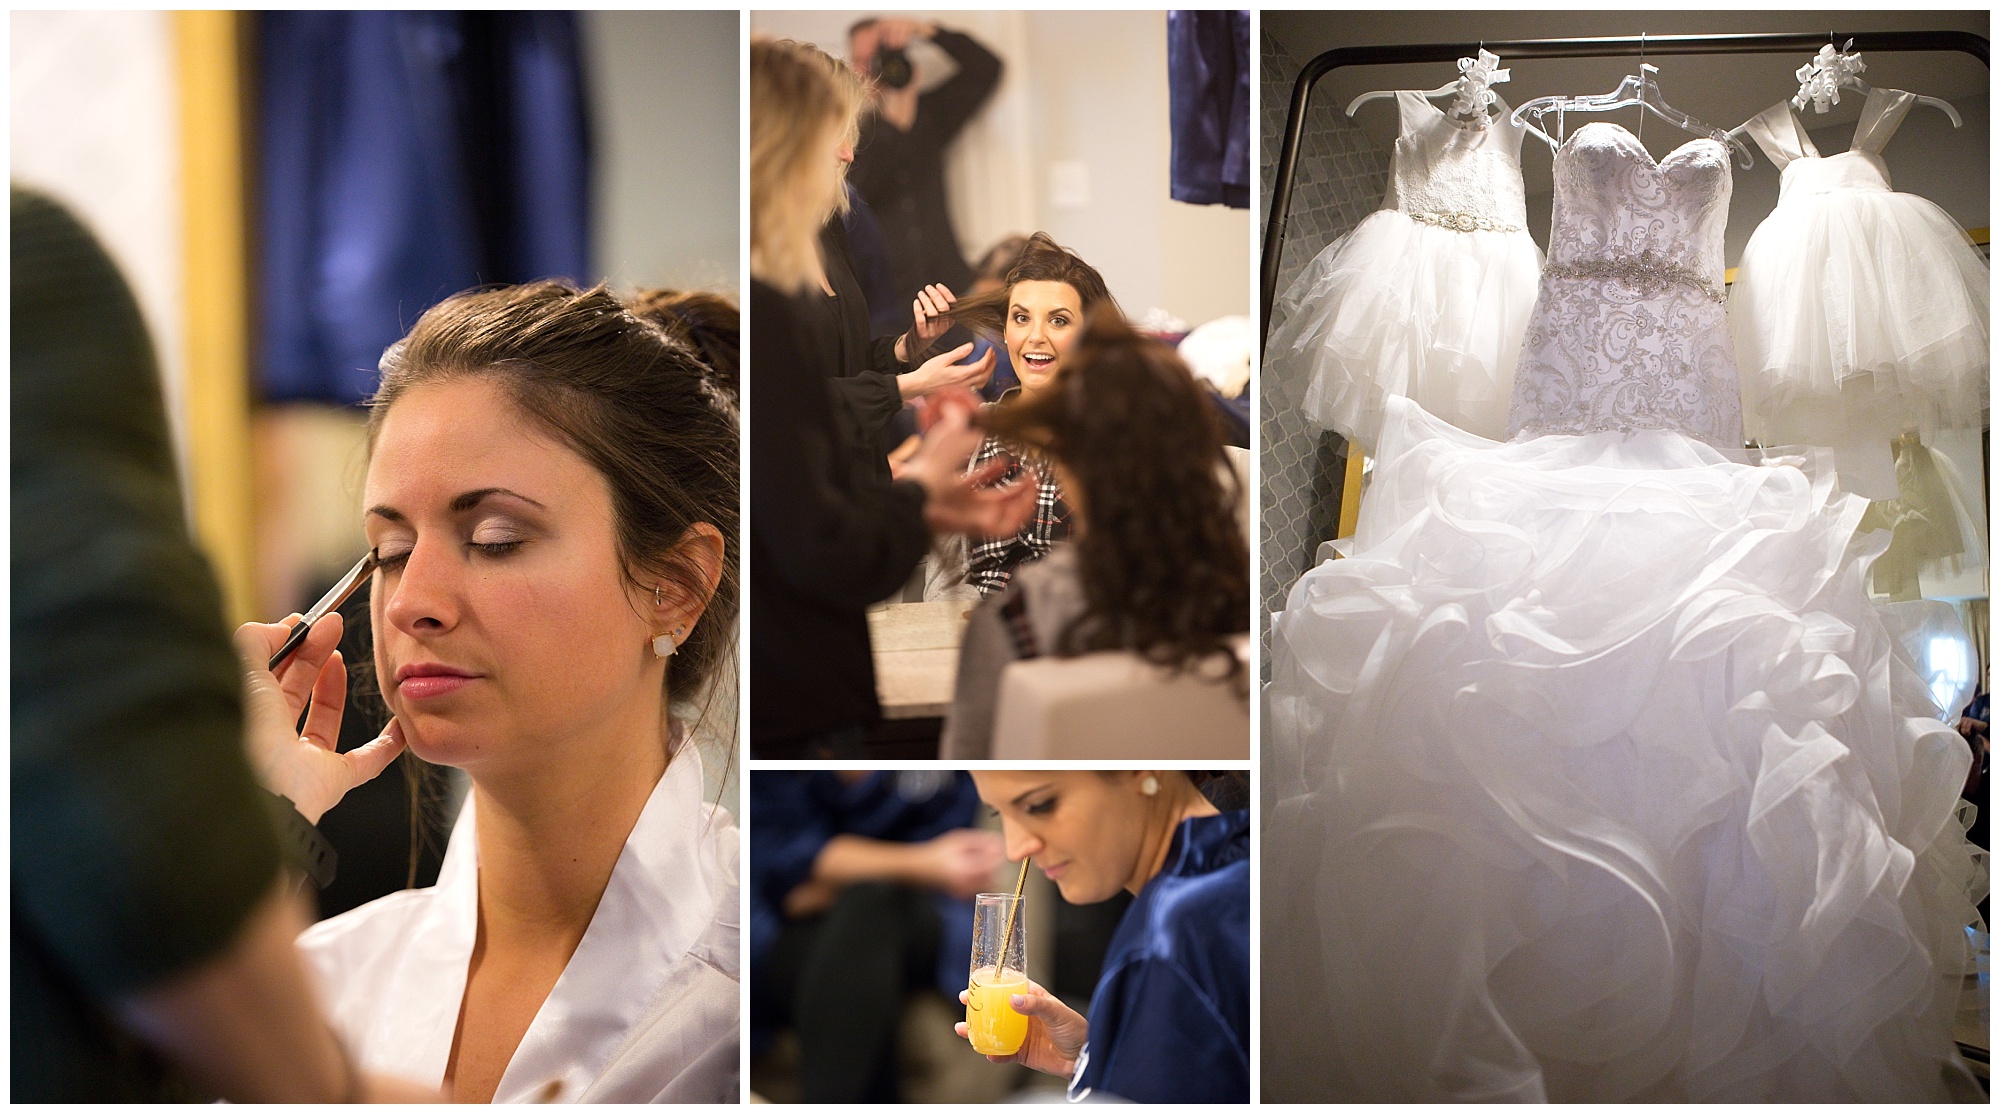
column 1402, row 308
column 1859, row 313
column 1594, row 775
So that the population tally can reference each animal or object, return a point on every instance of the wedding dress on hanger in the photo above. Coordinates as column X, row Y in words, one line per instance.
column 1858, row 312
column 1591, row 771
column 1428, row 296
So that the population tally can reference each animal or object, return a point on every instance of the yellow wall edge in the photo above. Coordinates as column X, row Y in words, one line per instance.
column 1350, row 492
column 207, row 48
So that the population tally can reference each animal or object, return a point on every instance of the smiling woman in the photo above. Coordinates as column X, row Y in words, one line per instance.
column 551, row 494
column 1038, row 313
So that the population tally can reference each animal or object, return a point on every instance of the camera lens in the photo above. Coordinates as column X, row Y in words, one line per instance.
column 892, row 68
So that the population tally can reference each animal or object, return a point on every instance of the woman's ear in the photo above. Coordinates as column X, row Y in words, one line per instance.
column 701, row 548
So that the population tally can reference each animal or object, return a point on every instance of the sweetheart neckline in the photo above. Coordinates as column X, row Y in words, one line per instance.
column 1627, row 133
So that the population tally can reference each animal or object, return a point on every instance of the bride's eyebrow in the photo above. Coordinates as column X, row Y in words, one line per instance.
column 459, row 504
column 472, row 499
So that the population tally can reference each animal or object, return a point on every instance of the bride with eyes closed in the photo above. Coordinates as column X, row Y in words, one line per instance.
column 552, row 498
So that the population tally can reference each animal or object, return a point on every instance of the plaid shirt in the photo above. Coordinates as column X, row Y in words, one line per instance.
column 993, row 560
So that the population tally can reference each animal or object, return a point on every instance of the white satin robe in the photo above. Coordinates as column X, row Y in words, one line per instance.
column 646, row 1011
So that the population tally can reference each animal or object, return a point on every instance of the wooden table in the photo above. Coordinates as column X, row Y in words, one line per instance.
column 916, row 655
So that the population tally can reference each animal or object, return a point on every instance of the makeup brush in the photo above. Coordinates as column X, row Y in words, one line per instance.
column 327, row 603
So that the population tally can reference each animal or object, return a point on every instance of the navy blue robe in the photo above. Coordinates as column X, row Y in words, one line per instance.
column 1170, row 1021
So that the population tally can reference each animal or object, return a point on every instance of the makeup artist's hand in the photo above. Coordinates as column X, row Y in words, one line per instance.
column 1056, row 1033
column 305, row 769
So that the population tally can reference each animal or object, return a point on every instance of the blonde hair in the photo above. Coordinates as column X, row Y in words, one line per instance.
column 797, row 102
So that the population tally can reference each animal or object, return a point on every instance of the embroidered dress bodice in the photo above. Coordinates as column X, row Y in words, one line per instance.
column 1629, row 331
column 1464, row 176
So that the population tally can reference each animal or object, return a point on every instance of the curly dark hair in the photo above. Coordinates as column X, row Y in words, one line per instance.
column 1039, row 259
column 1165, row 567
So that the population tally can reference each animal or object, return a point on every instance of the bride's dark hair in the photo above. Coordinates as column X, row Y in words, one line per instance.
column 1165, row 568
column 645, row 391
column 1041, row 260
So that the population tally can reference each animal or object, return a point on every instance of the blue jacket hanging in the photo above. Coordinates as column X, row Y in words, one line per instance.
column 403, row 157
column 1208, row 90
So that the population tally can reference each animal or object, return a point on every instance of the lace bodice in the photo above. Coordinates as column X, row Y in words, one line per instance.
column 1629, row 331
column 1614, row 203
column 1465, row 176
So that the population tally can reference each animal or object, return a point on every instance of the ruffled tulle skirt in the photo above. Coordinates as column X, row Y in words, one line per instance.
column 1593, row 774
column 1856, row 315
column 1402, row 308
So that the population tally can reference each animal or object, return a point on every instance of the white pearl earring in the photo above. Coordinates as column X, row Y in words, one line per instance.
column 667, row 645
column 1151, row 786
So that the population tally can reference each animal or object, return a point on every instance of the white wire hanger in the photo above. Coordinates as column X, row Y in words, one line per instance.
column 1831, row 70
column 1473, row 88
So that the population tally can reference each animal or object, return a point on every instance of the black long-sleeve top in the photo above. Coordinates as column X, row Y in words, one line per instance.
column 824, row 543
column 866, row 396
column 902, row 173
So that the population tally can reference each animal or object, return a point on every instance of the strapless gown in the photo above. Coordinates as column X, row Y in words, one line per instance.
column 1591, row 772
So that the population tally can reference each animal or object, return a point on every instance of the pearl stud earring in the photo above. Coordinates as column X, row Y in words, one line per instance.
column 1151, row 786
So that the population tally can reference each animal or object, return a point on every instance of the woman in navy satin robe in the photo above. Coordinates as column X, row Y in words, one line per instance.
column 1170, row 1018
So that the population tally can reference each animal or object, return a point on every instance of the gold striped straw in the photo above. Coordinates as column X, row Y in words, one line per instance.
column 1007, row 933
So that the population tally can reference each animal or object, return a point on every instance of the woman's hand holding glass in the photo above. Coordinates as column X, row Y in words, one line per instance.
column 306, row 769
column 1056, row 1033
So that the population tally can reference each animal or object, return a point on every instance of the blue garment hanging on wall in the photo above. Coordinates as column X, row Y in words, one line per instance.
column 1208, row 89
column 404, row 157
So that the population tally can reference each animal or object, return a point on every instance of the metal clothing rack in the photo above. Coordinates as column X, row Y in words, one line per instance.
column 1872, row 42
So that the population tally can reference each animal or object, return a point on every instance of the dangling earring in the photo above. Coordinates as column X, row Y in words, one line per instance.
column 667, row 645
column 1151, row 786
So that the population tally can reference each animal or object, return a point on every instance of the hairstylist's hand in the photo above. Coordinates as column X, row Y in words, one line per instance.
column 943, row 372
column 307, row 769
column 962, row 861
column 951, row 401
column 957, row 501
column 932, row 313
column 1055, row 1033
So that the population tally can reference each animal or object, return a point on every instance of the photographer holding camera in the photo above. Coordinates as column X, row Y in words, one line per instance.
column 899, row 163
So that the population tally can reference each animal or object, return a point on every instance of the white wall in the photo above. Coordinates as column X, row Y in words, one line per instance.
column 1089, row 90
column 664, row 93
column 93, row 119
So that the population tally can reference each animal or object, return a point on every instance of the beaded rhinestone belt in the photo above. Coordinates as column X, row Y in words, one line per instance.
column 1645, row 271
column 1464, row 222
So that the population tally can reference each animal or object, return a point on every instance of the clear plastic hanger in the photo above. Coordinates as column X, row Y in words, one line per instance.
column 1475, row 76
column 1637, row 89
column 1834, row 69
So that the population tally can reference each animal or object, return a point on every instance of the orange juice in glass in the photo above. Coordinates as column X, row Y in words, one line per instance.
column 990, row 1020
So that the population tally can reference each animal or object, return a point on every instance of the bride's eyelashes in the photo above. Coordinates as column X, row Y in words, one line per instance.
column 398, row 557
